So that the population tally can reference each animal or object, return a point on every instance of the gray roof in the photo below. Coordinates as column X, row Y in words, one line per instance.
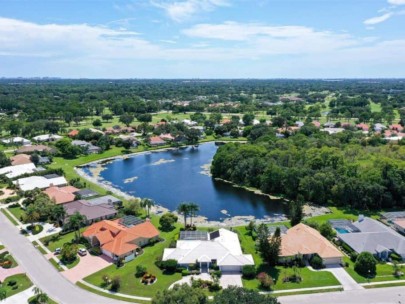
column 393, row 215
column 107, row 199
column 86, row 193
column 373, row 237
column 91, row 212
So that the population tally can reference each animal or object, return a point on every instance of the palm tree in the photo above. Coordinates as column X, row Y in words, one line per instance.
column 76, row 221
column 184, row 208
column 147, row 203
column 41, row 297
column 193, row 208
column 58, row 213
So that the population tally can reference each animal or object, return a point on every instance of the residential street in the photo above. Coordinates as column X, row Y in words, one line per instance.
column 42, row 273
column 392, row 295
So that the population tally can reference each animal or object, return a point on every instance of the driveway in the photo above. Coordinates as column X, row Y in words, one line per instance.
column 343, row 277
column 187, row 279
column 5, row 273
column 88, row 265
column 227, row 280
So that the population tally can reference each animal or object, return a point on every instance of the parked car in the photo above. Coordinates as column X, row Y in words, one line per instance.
column 58, row 250
column 82, row 251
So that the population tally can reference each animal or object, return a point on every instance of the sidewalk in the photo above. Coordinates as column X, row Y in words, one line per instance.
column 21, row 297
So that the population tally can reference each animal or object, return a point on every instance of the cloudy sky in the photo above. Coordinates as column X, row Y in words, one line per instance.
column 202, row 38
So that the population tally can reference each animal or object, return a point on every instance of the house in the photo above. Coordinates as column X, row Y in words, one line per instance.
column 43, row 160
column 73, row 133
column 106, row 200
column 18, row 170
column 306, row 241
column 20, row 159
column 85, row 193
column 61, row 195
column 374, row 237
column 34, row 149
column 92, row 213
column 390, row 217
column 396, row 127
column 156, row 141
column 47, row 137
column 220, row 247
column 379, row 127
column 362, row 126
column 121, row 238
column 329, row 124
column 399, row 225
column 332, row 130
column 167, row 137
column 299, row 124
column 316, row 123
column 20, row 141
column 189, row 122
column 86, row 146
column 40, row 182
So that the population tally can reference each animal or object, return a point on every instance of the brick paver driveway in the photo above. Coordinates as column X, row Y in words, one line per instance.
column 88, row 264
column 5, row 273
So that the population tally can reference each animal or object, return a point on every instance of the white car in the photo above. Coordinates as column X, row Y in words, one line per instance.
column 82, row 251
column 58, row 250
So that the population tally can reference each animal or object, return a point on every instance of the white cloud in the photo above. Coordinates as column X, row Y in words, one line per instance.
column 378, row 19
column 396, row 2
column 182, row 10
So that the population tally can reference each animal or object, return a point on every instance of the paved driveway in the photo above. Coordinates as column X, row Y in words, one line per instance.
column 88, row 264
column 227, row 280
column 343, row 277
column 5, row 273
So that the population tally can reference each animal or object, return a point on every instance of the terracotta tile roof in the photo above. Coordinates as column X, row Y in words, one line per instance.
column 156, row 140
column 35, row 148
column 20, row 159
column 73, row 133
column 119, row 239
column 396, row 127
column 302, row 239
column 400, row 222
column 61, row 195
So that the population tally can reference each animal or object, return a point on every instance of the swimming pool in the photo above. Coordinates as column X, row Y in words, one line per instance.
column 342, row 230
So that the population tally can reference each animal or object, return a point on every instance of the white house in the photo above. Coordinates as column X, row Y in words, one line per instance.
column 17, row 141
column 47, row 137
column 15, row 171
column 40, row 182
column 220, row 247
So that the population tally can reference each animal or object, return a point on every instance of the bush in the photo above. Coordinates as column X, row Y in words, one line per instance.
column 12, row 283
column 217, row 273
column 265, row 280
column 95, row 251
column 140, row 271
column 316, row 262
column 169, row 265
column 249, row 272
column 366, row 264
column 185, row 272
column 167, row 221
column 115, row 284
column 395, row 257
column 214, row 287
column 353, row 256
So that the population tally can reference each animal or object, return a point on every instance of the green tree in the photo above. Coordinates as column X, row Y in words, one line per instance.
column 4, row 161
column 69, row 252
column 263, row 235
column 126, row 119
column 273, row 250
column 144, row 117
column 133, row 207
column 3, row 294
column 107, row 117
column 327, row 231
column 240, row 295
column 167, row 221
column 181, row 294
column 193, row 209
column 97, row 123
column 184, row 209
column 248, row 119
column 366, row 264
column 31, row 214
column 295, row 212
column 77, row 221
column 147, row 203
column 40, row 296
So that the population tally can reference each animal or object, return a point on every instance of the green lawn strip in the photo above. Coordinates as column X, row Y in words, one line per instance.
column 23, row 282
column 56, row 265
column 384, row 285
column 39, row 247
column 132, row 285
column 1, row 247
column 342, row 213
column 32, row 300
column 309, row 278
column 12, row 220
column 18, row 212
column 384, row 273
column 109, row 295
column 278, row 295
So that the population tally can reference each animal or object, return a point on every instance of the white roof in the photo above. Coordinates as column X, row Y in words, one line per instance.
column 333, row 130
column 32, row 182
column 46, row 137
column 225, row 249
column 15, row 171
column 16, row 140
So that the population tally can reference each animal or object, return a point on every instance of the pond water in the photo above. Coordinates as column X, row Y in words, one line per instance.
column 174, row 176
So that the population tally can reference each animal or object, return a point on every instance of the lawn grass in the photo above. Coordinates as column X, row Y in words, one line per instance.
column 18, row 212
column 384, row 273
column 1, row 247
column 309, row 278
column 278, row 295
column 49, row 301
column 109, row 295
column 12, row 220
column 385, row 285
column 132, row 285
column 36, row 245
column 55, row 264
column 62, row 239
column 343, row 213
column 23, row 282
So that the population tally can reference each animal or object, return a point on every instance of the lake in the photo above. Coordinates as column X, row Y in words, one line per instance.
column 173, row 176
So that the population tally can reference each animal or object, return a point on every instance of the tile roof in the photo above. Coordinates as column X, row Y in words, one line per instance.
column 20, row 159
column 61, row 195
column 35, row 148
column 302, row 239
column 91, row 212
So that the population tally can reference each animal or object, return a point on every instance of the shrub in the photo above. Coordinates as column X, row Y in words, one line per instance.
column 12, row 283
column 185, row 272
column 95, row 251
column 140, row 271
column 217, row 273
column 353, row 256
column 395, row 257
column 115, row 283
column 365, row 264
column 169, row 265
column 316, row 262
column 249, row 272
column 265, row 280
column 167, row 221
column 214, row 287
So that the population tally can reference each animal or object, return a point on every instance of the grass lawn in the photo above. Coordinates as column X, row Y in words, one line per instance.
column 9, row 217
column 384, row 273
column 385, row 285
column 33, row 301
column 55, row 264
column 18, row 212
column 62, row 239
column 132, row 285
column 23, row 282
column 36, row 245
column 1, row 247
column 278, row 295
column 309, row 278
column 340, row 213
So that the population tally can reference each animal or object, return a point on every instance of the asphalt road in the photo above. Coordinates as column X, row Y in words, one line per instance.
column 391, row 295
column 42, row 273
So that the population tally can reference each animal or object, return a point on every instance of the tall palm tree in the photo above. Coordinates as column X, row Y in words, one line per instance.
column 193, row 208
column 183, row 209
column 147, row 203
column 58, row 213
column 31, row 215
column 76, row 221
column 40, row 295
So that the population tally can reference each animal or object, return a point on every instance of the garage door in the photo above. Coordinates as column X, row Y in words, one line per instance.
column 230, row 268
column 332, row 261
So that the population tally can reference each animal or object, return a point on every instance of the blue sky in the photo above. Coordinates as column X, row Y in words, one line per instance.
column 202, row 38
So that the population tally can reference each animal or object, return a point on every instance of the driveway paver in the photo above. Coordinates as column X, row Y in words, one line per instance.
column 5, row 273
column 227, row 280
column 343, row 277
column 88, row 265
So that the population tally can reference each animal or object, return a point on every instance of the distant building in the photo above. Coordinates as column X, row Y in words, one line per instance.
column 47, row 137
column 18, row 170
column 61, row 195
column 40, row 182
column 156, row 141
column 20, row 159
column 18, row 141
column 35, row 149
